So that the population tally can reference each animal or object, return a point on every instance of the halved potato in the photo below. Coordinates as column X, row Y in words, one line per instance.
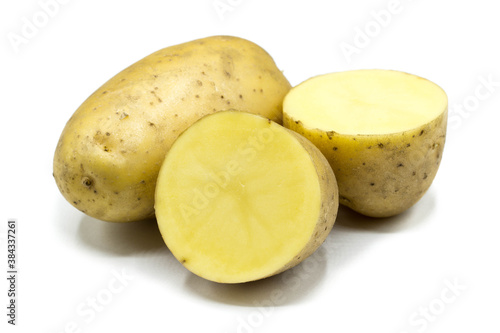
column 240, row 198
column 382, row 131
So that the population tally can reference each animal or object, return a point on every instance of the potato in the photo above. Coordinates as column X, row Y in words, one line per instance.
column 110, row 152
column 240, row 198
column 382, row 131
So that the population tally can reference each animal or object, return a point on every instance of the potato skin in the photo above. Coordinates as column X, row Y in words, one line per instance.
column 111, row 149
column 329, row 202
column 381, row 175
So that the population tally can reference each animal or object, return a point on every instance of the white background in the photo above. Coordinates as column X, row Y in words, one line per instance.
column 434, row 268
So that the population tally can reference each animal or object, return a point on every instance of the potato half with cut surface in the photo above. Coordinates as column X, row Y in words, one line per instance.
column 240, row 198
column 382, row 131
column 110, row 151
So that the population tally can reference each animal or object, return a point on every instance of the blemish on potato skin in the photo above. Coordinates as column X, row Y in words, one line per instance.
column 155, row 95
column 400, row 165
column 87, row 182
column 344, row 199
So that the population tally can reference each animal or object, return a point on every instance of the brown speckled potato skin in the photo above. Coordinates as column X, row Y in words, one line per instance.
column 382, row 175
column 110, row 152
column 329, row 203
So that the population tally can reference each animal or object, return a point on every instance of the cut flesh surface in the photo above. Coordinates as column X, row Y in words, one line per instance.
column 237, row 197
column 365, row 102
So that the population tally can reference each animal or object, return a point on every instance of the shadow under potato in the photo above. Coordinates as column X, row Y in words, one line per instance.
column 278, row 290
column 351, row 235
column 121, row 239
column 412, row 217
column 354, row 234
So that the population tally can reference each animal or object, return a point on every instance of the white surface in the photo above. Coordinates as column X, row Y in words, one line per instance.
column 369, row 276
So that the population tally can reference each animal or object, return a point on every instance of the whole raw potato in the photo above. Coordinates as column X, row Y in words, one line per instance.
column 110, row 152
column 382, row 131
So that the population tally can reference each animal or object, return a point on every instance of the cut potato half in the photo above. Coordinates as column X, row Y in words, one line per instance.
column 382, row 131
column 240, row 198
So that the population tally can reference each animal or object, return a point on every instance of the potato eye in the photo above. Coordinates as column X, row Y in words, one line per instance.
column 87, row 182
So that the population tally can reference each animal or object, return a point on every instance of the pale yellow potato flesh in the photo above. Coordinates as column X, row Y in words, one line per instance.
column 240, row 198
column 110, row 151
column 382, row 131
